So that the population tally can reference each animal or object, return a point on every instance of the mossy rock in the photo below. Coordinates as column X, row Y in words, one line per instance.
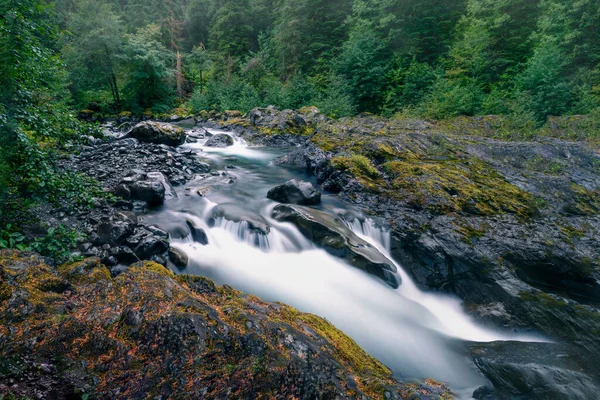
column 149, row 333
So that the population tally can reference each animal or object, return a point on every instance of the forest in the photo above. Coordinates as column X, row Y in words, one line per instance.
column 435, row 59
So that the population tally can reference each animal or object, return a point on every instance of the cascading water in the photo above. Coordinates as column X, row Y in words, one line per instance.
column 412, row 332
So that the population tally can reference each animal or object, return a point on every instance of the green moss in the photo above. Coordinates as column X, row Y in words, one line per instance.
column 86, row 271
column 125, row 114
column 455, row 185
column 152, row 266
column 346, row 350
column 583, row 202
column 361, row 167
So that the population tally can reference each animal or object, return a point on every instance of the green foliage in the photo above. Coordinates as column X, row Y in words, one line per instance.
column 58, row 243
column 221, row 96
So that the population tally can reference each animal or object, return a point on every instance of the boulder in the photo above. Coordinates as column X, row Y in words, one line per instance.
column 178, row 257
column 295, row 192
column 330, row 233
column 234, row 213
column 158, row 133
column 150, row 246
column 219, row 140
column 198, row 234
column 114, row 231
column 152, row 192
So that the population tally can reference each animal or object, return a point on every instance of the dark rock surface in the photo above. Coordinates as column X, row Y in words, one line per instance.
column 330, row 233
column 536, row 371
column 219, row 140
column 295, row 192
column 146, row 333
column 158, row 133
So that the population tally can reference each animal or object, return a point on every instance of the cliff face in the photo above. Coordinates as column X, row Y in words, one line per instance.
column 76, row 332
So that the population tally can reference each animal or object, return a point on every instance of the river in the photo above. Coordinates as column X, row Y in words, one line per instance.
column 416, row 334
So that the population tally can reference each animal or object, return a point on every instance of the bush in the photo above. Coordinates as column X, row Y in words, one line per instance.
column 451, row 98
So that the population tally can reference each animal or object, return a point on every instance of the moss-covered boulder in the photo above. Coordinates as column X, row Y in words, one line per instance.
column 158, row 133
column 76, row 332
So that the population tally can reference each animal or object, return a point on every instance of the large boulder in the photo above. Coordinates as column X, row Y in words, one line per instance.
column 329, row 232
column 295, row 192
column 152, row 192
column 159, row 133
column 219, row 140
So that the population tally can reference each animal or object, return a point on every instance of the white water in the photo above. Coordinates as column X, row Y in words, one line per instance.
column 412, row 332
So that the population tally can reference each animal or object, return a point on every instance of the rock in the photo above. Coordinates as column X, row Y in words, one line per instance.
column 187, row 122
column 124, row 254
column 178, row 257
column 235, row 213
column 198, row 234
column 158, row 133
column 219, row 140
column 149, row 317
column 535, row 371
column 152, row 192
column 114, row 231
column 295, row 192
column 159, row 177
column 150, row 246
column 330, row 233
column 158, row 231
column 123, row 191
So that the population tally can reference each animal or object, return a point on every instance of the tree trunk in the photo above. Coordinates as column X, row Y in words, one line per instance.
column 112, row 79
column 179, row 76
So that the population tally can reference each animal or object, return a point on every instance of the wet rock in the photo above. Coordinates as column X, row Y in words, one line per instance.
column 123, row 191
column 535, row 371
column 178, row 257
column 150, row 246
column 198, row 234
column 187, row 122
column 152, row 192
column 157, row 231
column 295, row 192
column 219, row 140
column 158, row 133
column 330, row 233
column 235, row 213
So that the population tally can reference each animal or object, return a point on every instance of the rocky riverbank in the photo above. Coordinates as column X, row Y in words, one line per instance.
column 119, row 324
column 509, row 225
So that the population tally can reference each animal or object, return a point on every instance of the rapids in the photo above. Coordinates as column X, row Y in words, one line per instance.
column 415, row 333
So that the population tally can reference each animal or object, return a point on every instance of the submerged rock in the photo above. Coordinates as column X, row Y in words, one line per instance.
column 219, row 140
column 330, row 233
column 295, row 192
column 158, row 133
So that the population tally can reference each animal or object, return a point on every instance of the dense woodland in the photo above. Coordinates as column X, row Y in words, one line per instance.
column 528, row 59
